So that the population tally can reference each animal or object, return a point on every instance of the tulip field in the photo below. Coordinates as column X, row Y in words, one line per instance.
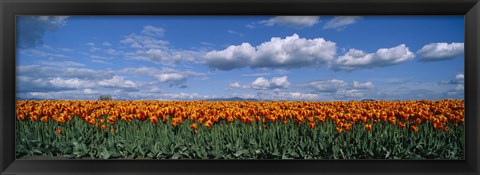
column 128, row 129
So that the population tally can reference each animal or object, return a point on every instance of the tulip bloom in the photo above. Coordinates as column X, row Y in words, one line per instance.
column 194, row 126
column 414, row 128
column 368, row 127
column 401, row 124
column 58, row 131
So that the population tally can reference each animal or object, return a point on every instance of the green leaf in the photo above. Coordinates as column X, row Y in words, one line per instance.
column 105, row 154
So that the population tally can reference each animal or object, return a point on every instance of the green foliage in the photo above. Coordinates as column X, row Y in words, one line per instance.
column 237, row 140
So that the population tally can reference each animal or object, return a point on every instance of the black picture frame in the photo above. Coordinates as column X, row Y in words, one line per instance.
column 10, row 8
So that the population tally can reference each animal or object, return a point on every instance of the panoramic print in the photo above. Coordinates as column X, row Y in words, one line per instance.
column 240, row 87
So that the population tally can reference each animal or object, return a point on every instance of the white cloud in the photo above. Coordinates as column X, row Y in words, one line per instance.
column 459, row 87
column 367, row 85
column 291, row 21
column 279, row 82
column 117, row 82
column 90, row 44
column 71, row 83
column 153, row 31
column 340, row 22
column 328, row 85
column 144, row 42
column 459, row 90
column 440, row 51
column 459, row 77
column 170, row 77
column 274, row 83
column 357, row 59
column 237, row 85
column 261, row 83
column 89, row 91
column 350, row 93
column 289, row 52
column 148, row 47
column 165, row 75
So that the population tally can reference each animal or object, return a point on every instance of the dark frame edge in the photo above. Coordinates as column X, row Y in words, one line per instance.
column 7, row 147
column 9, row 165
column 472, row 42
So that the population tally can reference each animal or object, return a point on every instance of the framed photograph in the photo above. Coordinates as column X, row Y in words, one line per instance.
column 241, row 87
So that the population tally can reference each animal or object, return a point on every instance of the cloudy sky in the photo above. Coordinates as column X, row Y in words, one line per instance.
column 313, row 58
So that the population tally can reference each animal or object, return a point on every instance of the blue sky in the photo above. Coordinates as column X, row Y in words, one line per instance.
column 312, row 58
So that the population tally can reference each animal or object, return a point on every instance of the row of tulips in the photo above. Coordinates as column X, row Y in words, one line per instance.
column 345, row 114
column 395, row 127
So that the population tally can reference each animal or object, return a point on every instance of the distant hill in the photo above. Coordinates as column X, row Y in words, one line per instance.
column 232, row 99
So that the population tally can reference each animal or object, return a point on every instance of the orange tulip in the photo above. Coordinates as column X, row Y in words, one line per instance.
column 208, row 123
column 58, row 131
column 437, row 125
column 312, row 125
column 446, row 128
column 154, row 120
column 418, row 120
column 401, row 124
column 44, row 119
column 193, row 126
column 339, row 129
column 414, row 128
column 368, row 127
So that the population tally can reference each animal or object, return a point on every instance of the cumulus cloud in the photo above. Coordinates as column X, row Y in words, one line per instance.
column 340, row 22
column 459, row 79
column 237, row 85
column 89, row 91
column 328, row 85
column 274, row 83
column 289, row 52
column 459, row 90
column 367, row 85
column 73, row 83
column 350, row 93
column 53, row 78
column 357, row 59
column 118, row 82
column 170, row 76
column 340, row 89
column 292, row 21
column 30, row 29
column 440, row 51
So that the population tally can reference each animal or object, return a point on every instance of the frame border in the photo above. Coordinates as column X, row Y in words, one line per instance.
column 11, row 8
